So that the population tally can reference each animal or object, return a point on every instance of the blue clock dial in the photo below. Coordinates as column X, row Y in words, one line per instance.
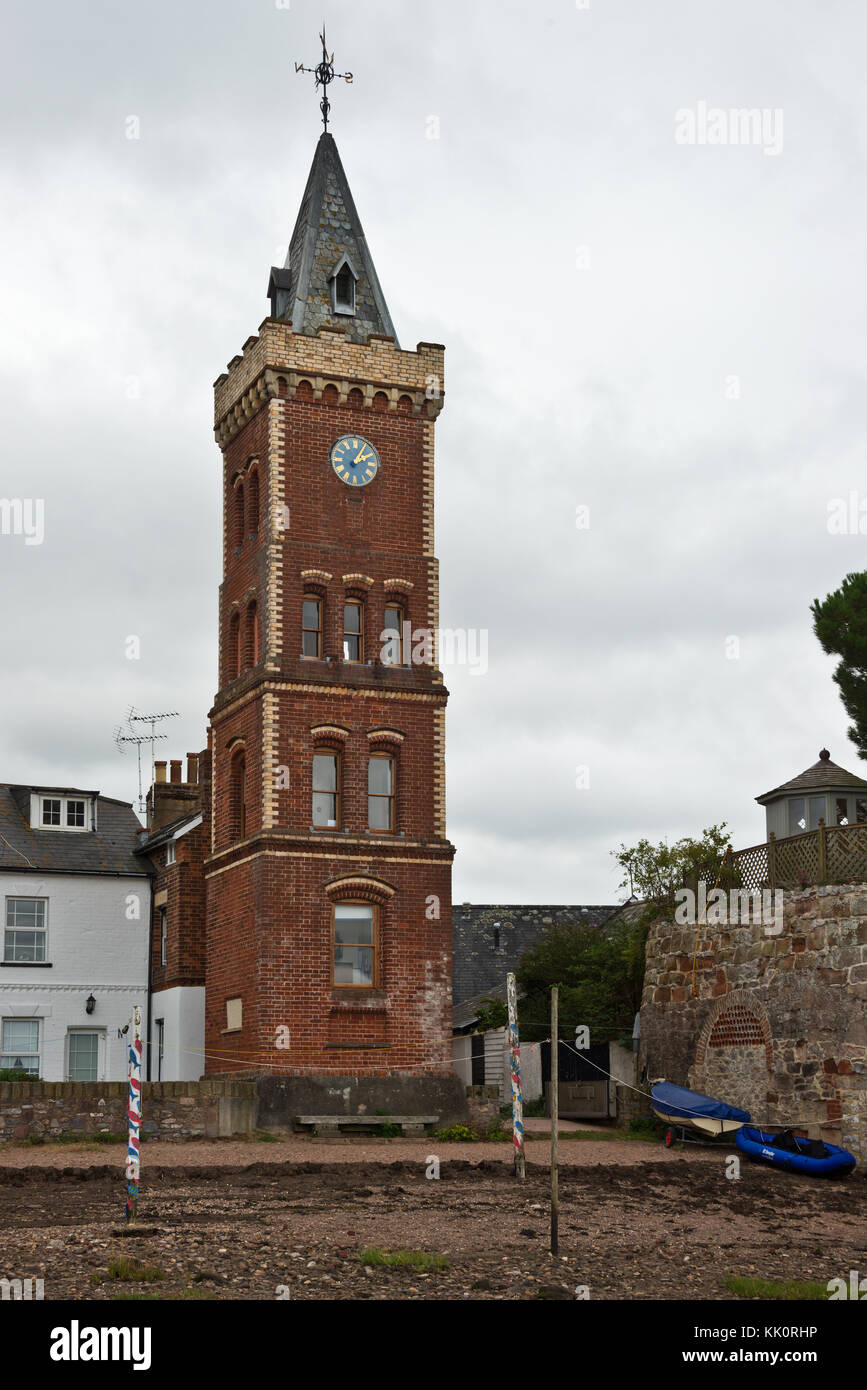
column 354, row 460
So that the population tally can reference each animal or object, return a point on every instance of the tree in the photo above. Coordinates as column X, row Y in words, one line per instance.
column 600, row 972
column 840, row 623
column 653, row 873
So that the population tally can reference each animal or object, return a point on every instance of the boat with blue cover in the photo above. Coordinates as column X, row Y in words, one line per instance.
column 795, row 1152
column 679, row 1106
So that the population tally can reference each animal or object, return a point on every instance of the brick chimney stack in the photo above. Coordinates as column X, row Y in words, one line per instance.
column 170, row 800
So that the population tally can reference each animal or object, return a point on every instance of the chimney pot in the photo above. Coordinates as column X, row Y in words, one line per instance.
column 193, row 768
column 176, row 769
column 159, row 771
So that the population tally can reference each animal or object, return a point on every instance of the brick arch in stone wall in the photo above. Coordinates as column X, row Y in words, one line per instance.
column 733, row 1055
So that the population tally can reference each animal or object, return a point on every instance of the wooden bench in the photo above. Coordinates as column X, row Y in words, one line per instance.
column 332, row 1124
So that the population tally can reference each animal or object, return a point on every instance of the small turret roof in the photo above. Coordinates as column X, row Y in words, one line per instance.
column 822, row 776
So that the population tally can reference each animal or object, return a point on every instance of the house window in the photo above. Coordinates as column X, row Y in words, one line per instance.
column 19, row 1045
column 311, row 627
column 392, row 643
column 50, row 811
column 860, row 810
column 63, row 813
column 797, row 816
column 171, row 852
column 25, row 929
column 75, row 814
column 817, row 811
column 234, row 1015
column 83, row 1057
column 344, row 290
column 354, row 944
column 326, row 790
column 353, row 631
column 841, row 804
column 380, row 792
column 164, row 935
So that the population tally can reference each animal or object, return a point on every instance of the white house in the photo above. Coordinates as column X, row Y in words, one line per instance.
column 76, row 903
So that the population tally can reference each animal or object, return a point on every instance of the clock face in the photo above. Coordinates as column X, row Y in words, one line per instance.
column 354, row 460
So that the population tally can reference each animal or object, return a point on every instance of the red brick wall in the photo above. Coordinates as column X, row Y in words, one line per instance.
column 269, row 917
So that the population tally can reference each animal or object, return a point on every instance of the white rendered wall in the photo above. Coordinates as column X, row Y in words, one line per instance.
column 183, row 1012
column 97, row 943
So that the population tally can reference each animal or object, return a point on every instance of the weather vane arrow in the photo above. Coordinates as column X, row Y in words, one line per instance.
column 324, row 74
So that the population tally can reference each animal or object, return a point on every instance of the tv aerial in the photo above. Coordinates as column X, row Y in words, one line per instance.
column 121, row 739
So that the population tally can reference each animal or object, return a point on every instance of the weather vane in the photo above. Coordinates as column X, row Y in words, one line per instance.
column 324, row 75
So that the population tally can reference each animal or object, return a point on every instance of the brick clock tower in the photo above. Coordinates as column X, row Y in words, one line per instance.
column 328, row 873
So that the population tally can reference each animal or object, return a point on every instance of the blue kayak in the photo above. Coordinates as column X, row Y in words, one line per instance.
column 793, row 1151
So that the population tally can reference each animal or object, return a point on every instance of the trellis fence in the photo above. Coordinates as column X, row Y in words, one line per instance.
column 829, row 854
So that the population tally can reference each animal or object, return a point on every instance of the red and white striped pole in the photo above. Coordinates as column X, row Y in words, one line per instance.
column 133, row 1114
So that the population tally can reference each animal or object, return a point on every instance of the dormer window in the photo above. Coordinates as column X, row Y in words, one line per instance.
column 61, row 812
column 343, row 282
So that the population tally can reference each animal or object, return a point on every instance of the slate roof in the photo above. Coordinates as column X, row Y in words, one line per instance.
column 110, row 849
column 328, row 228
column 820, row 777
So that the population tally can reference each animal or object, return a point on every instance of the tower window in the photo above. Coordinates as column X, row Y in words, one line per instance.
column 392, row 644
column 343, row 289
column 239, row 515
column 239, row 795
column 380, row 793
column 253, row 503
column 326, row 790
column 311, row 627
column 354, row 944
column 353, row 631
column 235, row 646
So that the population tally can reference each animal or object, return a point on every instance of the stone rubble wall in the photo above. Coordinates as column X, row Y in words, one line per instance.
column 170, row 1109
column 778, row 1022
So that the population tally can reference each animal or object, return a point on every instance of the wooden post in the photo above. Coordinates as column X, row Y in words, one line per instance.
column 515, row 1068
column 772, row 860
column 133, row 1113
column 822, row 848
column 555, row 1106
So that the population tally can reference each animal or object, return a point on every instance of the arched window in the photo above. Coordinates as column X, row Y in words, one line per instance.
column 253, row 502
column 251, row 636
column 311, row 626
column 239, row 795
column 381, row 786
column 392, row 637
column 239, row 515
column 326, row 789
column 353, row 630
column 235, row 646
column 354, row 938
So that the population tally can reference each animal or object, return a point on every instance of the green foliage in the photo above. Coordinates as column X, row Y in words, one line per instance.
column 133, row 1271
column 16, row 1074
column 802, row 1290
column 389, row 1130
column 264, row 1136
column 654, row 873
column 600, row 974
column 402, row 1259
column 457, row 1134
column 840, row 623
column 493, row 1013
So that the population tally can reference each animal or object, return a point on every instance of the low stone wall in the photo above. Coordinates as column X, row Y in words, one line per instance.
column 281, row 1098
column 778, row 1021
column 170, row 1109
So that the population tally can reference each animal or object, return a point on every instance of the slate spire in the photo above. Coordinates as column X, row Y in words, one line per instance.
column 329, row 279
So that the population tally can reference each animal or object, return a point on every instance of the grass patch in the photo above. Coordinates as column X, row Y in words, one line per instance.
column 185, row 1295
column 133, row 1271
column 457, row 1134
column 800, row 1290
column 402, row 1259
column 264, row 1136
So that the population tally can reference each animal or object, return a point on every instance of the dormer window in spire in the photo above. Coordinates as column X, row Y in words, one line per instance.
column 343, row 282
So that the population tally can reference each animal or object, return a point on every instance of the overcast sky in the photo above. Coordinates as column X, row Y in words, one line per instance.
column 670, row 334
